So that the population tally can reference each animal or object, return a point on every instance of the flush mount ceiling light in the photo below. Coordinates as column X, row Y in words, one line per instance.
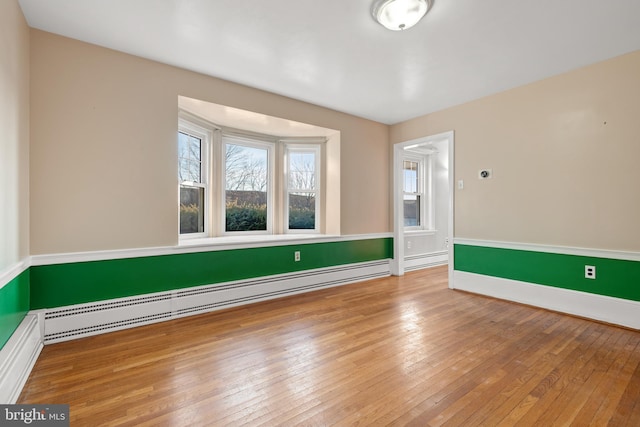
column 398, row 15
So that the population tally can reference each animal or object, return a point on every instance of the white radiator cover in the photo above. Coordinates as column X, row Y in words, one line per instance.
column 81, row 320
column 428, row 260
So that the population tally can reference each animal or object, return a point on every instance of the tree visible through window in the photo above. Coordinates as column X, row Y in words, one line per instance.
column 192, row 184
column 239, row 182
column 302, row 187
column 246, row 187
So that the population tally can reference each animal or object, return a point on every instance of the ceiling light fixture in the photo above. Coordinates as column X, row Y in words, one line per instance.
column 398, row 15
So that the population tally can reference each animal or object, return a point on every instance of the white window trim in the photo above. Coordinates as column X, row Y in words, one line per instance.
column 254, row 143
column 314, row 147
column 214, row 174
column 193, row 126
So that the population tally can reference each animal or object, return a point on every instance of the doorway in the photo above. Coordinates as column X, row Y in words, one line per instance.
column 423, row 196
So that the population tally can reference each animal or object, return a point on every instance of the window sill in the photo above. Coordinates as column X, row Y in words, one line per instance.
column 420, row 232
column 247, row 241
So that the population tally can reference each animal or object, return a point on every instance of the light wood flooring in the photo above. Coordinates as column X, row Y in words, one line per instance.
column 392, row 351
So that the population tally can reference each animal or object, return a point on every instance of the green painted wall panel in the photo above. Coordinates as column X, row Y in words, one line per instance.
column 615, row 278
column 65, row 284
column 14, row 304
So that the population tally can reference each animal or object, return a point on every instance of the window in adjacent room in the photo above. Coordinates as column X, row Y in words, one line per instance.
column 417, row 193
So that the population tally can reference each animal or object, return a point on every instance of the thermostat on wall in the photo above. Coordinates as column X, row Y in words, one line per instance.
column 485, row 173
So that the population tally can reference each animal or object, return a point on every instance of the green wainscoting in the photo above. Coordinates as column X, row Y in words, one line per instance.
column 74, row 283
column 14, row 304
column 614, row 277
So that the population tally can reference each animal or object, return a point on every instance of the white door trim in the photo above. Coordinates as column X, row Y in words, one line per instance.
column 397, row 268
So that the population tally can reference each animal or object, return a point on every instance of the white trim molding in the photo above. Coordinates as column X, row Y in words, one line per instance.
column 17, row 358
column 563, row 250
column 14, row 271
column 398, row 266
column 592, row 306
column 76, row 321
column 201, row 245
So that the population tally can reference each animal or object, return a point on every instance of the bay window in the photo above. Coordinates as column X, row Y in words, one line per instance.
column 235, row 183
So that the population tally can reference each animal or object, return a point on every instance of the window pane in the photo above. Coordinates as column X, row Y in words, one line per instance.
column 194, row 171
column 246, row 183
column 184, row 173
column 411, row 211
column 302, row 170
column 189, row 158
column 410, row 176
column 302, row 211
column 191, row 210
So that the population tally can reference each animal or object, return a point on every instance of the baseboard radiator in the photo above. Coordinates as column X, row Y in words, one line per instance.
column 71, row 322
column 420, row 261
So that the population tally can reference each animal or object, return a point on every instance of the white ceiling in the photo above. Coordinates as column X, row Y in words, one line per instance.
column 332, row 53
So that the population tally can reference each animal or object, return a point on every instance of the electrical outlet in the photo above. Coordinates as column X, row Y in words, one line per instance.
column 589, row 272
column 408, row 244
column 296, row 256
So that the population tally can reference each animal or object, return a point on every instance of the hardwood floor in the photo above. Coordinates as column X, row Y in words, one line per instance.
column 393, row 351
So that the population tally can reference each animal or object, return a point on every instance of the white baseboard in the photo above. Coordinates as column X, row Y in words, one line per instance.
column 417, row 262
column 17, row 358
column 598, row 307
column 76, row 321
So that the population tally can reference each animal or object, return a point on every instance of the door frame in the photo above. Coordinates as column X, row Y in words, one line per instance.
column 397, row 268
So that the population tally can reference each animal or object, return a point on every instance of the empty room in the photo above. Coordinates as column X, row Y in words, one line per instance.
column 337, row 213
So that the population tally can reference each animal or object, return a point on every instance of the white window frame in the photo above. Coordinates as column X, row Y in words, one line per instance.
column 252, row 143
column 214, row 139
column 424, row 191
column 316, row 149
column 190, row 125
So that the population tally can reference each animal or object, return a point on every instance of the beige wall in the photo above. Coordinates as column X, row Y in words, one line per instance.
column 103, row 157
column 14, row 135
column 565, row 154
column 103, row 154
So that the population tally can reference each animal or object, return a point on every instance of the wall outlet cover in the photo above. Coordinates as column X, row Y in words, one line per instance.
column 589, row 272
